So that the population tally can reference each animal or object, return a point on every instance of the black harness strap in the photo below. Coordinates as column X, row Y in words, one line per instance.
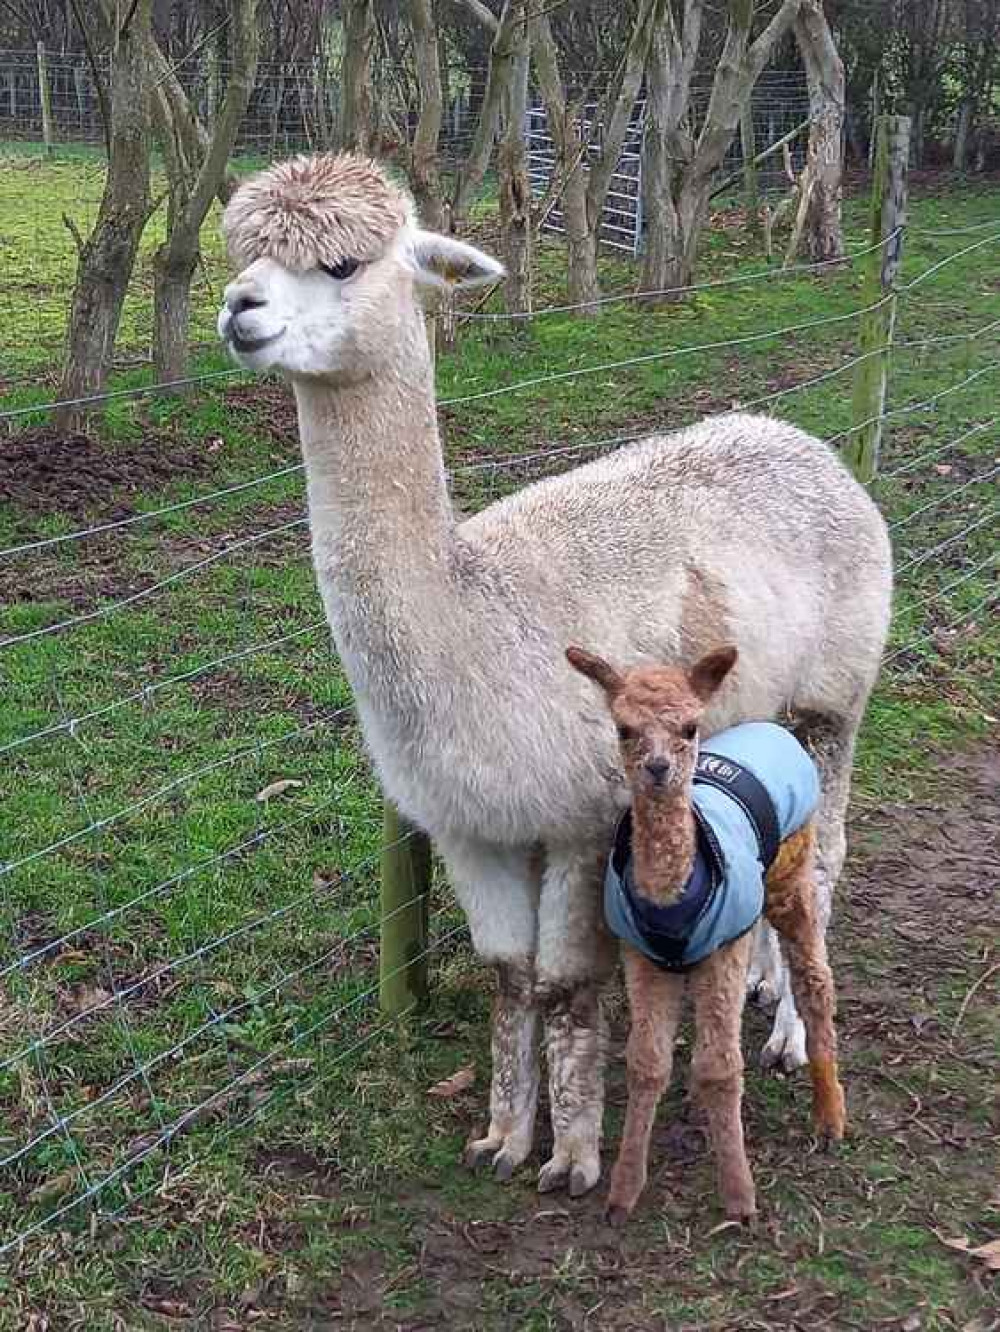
column 750, row 794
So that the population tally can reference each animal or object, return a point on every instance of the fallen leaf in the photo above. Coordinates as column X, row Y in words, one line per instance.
column 988, row 1253
column 277, row 788
column 169, row 1308
column 911, row 1323
column 459, row 1082
column 53, row 1188
column 943, row 469
column 85, row 996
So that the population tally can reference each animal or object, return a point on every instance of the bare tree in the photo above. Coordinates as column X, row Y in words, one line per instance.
column 357, row 125
column 516, row 218
column 423, row 150
column 107, row 257
column 684, row 150
column 192, row 185
column 510, row 42
column 978, row 64
column 817, row 227
column 584, row 166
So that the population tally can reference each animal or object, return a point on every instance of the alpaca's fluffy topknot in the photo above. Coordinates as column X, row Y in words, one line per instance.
column 313, row 210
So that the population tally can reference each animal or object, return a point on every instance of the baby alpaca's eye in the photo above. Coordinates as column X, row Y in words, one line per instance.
column 343, row 270
column 626, row 733
column 689, row 731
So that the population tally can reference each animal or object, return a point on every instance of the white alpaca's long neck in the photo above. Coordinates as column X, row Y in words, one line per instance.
column 383, row 530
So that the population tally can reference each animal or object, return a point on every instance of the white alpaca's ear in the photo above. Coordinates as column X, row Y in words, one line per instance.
column 442, row 261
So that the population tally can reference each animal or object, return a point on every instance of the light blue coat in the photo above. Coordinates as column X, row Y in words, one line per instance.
column 724, row 896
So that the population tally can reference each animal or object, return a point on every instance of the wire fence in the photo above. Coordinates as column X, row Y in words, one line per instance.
column 294, row 107
column 190, row 833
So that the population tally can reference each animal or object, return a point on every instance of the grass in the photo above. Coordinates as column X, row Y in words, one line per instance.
column 322, row 1183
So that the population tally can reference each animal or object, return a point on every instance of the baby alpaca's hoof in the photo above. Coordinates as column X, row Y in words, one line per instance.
column 830, row 1138
column 582, row 1180
column 616, row 1216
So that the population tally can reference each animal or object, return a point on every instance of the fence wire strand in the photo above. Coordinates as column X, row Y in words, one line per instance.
column 920, row 566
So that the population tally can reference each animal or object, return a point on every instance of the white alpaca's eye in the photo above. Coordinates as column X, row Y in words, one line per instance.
column 343, row 270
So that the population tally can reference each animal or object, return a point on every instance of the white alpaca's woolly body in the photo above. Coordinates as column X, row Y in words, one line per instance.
column 741, row 529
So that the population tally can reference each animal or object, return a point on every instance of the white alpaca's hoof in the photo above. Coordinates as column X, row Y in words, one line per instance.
column 504, row 1155
column 581, row 1175
column 785, row 1051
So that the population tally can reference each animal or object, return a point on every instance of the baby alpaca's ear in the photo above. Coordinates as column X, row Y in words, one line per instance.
column 595, row 668
column 708, row 674
column 442, row 261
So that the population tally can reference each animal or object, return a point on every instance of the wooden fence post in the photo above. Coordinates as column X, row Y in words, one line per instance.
column 861, row 452
column 45, row 96
column 406, row 882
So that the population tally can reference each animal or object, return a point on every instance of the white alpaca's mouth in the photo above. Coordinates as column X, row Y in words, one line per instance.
column 241, row 344
column 247, row 346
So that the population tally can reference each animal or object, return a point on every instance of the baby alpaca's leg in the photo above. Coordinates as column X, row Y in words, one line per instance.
column 792, row 909
column 655, row 1005
column 719, row 985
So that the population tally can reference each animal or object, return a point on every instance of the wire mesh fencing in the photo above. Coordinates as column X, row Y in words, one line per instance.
column 779, row 105
column 294, row 107
column 190, row 832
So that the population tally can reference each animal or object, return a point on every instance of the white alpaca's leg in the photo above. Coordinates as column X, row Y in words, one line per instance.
column 497, row 888
column 830, row 740
column 576, row 955
column 764, row 978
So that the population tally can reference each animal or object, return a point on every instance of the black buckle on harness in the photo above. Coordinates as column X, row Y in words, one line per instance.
column 750, row 794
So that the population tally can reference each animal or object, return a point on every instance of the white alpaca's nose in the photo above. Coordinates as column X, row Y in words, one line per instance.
column 243, row 300
column 240, row 296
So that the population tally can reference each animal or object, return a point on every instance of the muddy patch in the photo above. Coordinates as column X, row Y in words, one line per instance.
column 45, row 472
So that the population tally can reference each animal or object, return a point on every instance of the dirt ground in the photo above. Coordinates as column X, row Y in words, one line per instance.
column 916, row 926
column 43, row 471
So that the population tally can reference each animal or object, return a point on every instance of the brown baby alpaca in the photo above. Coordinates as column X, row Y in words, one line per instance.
column 657, row 710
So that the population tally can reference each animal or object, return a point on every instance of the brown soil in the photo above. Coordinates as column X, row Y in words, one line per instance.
column 43, row 472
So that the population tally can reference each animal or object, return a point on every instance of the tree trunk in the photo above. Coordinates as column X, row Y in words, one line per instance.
column 173, row 272
column 586, row 174
column 681, row 225
column 108, row 256
column 424, row 176
column 680, row 159
column 821, row 234
column 962, row 135
column 512, row 169
column 582, row 285
column 356, row 117
column 177, row 259
column 509, row 37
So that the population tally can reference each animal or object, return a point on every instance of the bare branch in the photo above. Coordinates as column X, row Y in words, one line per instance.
column 498, row 79
column 74, row 231
column 482, row 15
column 620, row 102
column 100, row 83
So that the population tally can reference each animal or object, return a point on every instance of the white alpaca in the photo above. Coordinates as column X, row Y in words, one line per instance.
column 741, row 530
